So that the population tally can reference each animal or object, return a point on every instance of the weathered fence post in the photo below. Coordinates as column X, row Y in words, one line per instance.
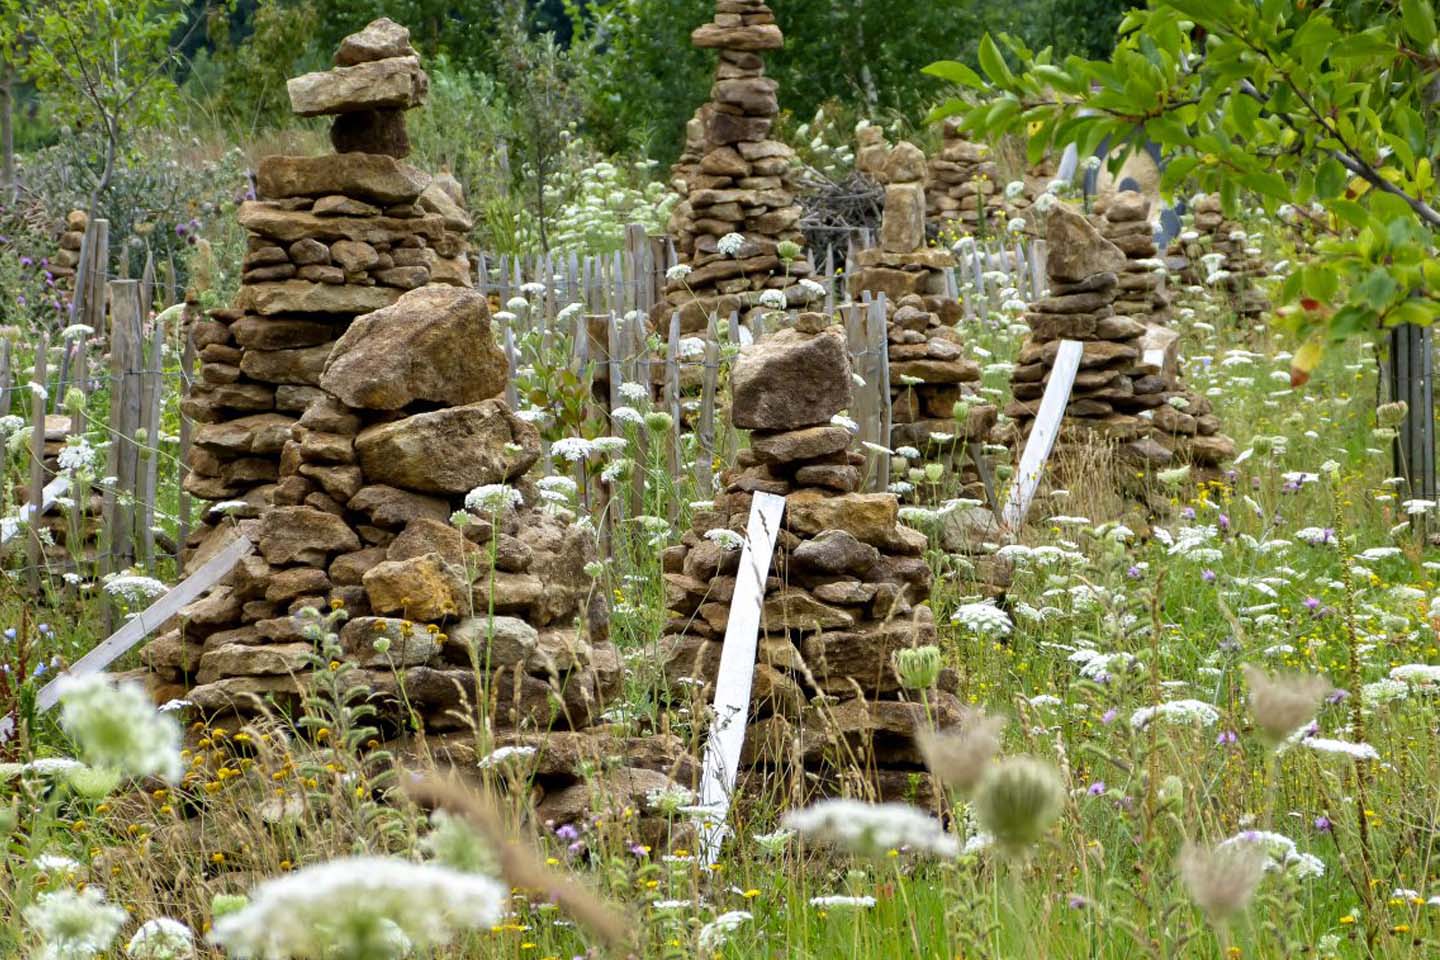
column 1412, row 366
column 34, row 547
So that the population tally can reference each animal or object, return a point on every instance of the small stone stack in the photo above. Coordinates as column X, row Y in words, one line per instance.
column 964, row 184
column 733, row 179
column 1242, row 262
column 1125, row 222
column 1127, row 390
column 929, row 372
column 67, row 259
column 848, row 584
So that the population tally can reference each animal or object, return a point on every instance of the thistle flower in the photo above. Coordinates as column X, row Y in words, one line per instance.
column 117, row 727
column 1283, row 704
column 1222, row 880
column 960, row 757
column 162, row 939
column 74, row 924
column 1018, row 801
column 360, row 908
column 872, row 829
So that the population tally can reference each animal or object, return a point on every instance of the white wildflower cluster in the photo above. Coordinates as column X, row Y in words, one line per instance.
column 135, row 590
column 872, row 829
column 726, row 538
column 1281, row 853
column 493, row 498
column 1179, row 712
column 74, row 924
column 1357, row 751
column 77, row 456
column 717, row 931
column 773, row 299
column 162, row 939
column 1419, row 674
column 572, row 449
column 117, row 728
column 353, row 907
column 983, row 619
column 838, row 902
column 557, row 491
column 503, row 756
column 594, row 215
column 730, row 245
column 1383, row 691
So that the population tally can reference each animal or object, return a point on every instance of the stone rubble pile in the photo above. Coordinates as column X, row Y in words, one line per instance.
column 1241, row 262
column 348, row 424
column 1124, row 220
column 1127, row 391
column 848, row 584
column 964, row 185
column 929, row 372
column 733, row 179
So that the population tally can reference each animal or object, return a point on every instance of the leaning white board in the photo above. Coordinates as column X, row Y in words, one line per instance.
column 737, row 669
column 1043, row 434
column 53, row 491
column 140, row 625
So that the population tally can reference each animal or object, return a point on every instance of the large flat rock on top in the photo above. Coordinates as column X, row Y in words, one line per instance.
column 395, row 83
column 369, row 176
column 288, row 226
column 1075, row 249
column 432, row 344
column 790, row 380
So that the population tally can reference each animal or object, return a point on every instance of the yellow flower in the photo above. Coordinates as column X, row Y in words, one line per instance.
column 1347, row 919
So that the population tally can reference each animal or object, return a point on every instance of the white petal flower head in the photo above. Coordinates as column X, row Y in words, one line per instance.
column 726, row 538
column 731, row 244
column 634, row 392
column 359, row 907
column 812, row 287
column 774, row 299
column 162, row 939
column 1177, row 712
column 872, row 829
column 1357, row 751
column 117, row 727
column 75, row 925
column 678, row 272
column 572, row 449
column 1014, row 189
column 717, row 931
column 493, row 498
column 984, row 619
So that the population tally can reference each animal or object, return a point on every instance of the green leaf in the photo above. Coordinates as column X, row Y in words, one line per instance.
column 1377, row 289
column 1176, row 171
column 1267, row 184
column 993, row 63
column 1329, row 179
column 1419, row 20
column 955, row 72
column 1350, row 212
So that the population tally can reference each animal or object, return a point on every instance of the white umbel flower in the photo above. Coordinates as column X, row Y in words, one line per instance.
column 117, row 727
column 717, row 931
column 74, row 924
column 983, row 619
column 162, row 939
column 872, row 829
column 1176, row 711
column 1359, row 751
column 359, row 907
column 730, row 244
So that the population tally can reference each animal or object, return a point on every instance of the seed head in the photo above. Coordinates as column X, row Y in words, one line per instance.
column 1284, row 703
column 960, row 757
column 1018, row 801
column 1221, row 880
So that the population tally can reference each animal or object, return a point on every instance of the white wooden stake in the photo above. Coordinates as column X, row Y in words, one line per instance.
column 1043, row 433
column 140, row 625
column 53, row 491
column 737, row 668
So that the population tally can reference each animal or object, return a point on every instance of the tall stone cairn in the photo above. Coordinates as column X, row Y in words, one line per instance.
column 964, row 184
column 733, row 179
column 66, row 261
column 929, row 371
column 345, row 419
column 1120, row 396
column 848, row 584
column 1124, row 220
column 1243, row 263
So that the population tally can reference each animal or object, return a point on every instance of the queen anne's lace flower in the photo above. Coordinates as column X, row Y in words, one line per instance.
column 872, row 829
column 730, row 244
column 359, row 907
column 74, row 924
column 1359, row 751
column 117, row 727
column 1176, row 711
column 983, row 619
column 493, row 497
column 162, row 939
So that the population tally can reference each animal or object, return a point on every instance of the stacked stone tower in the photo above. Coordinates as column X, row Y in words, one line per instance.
column 67, row 259
column 848, row 585
column 1246, row 269
column 1127, row 391
column 733, row 179
column 929, row 371
column 1124, row 219
column 350, row 407
column 963, row 184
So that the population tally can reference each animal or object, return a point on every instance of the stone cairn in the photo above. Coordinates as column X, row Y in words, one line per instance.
column 848, row 585
column 964, row 185
column 733, row 179
column 380, row 411
column 1124, row 220
column 67, row 259
column 1119, row 395
column 1242, row 262
column 929, row 372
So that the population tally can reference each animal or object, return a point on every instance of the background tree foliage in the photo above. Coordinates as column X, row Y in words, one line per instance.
column 1329, row 112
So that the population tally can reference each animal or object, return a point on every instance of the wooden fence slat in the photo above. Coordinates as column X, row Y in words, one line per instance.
column 34, row 547
column 1042, row 433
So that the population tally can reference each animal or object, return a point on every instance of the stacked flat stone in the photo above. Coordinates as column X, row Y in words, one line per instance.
column 848, row 584
column 1246, row 269
column 733, row 179
column 1125, row 221
column 929, row 372
column 67, row 258
column 1127, row 391
column 964, row 184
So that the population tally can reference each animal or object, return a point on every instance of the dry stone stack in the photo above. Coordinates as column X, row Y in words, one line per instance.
column 1241, row 264
column 963, row 185
column 733, row 179
column 67, row 259
column 848, row 584
column 350, row 406
column 1125, row 222
column 1127, row 391
column 929, row 372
